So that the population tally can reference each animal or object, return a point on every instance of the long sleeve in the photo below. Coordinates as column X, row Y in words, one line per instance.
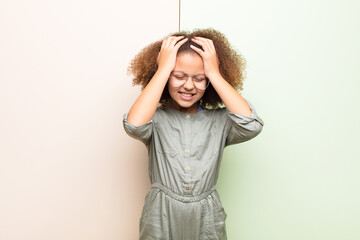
column 242, row 128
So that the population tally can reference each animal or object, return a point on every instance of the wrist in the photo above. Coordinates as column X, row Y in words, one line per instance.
column 163, row 71
column 215, row 76
column 162, row 75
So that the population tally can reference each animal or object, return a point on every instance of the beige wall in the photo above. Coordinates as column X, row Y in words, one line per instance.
column 67, row 168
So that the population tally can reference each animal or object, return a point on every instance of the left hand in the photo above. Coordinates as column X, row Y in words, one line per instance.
column 209, row 56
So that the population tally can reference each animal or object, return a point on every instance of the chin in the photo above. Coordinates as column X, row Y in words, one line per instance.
column 185, row 104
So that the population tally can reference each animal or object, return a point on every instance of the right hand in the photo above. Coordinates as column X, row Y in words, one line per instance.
column 167, row 56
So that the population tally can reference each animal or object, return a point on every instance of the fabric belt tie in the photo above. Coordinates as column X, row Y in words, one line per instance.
column 182, row 198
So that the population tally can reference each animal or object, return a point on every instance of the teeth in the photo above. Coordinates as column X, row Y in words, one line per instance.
column 186, row 94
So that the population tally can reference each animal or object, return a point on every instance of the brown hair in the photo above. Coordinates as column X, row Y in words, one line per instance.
column 231, row 64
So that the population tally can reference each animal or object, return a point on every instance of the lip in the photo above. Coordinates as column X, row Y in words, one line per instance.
column 186, row 98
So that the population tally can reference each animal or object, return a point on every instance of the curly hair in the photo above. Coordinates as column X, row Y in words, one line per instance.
column 231, row 64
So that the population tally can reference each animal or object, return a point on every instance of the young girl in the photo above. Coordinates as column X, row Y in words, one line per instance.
column 192, row 75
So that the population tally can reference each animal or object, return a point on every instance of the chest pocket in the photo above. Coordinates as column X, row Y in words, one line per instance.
column 205, row 144
column 165, row 141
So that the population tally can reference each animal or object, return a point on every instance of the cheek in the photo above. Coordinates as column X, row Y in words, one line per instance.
column 172, row 91
column 201, row 94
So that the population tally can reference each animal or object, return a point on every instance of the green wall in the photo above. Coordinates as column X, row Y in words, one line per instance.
column 299, row 179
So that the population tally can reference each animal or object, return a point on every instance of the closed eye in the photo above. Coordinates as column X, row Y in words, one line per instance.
column 181, row 77
column 199, row 79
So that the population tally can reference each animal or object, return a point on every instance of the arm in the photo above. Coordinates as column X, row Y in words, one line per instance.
column 145, row 105
column 231, row 98
column 241, row 128
column 242, row 122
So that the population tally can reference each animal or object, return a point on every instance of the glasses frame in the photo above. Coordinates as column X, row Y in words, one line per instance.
column 187, row 76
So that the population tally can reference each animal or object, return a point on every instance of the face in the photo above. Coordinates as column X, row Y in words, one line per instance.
column 186, row 97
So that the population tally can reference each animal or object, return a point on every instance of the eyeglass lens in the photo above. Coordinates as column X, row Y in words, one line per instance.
column 199, row 80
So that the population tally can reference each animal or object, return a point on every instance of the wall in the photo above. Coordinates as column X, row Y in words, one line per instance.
column 67, row 168
column 68, row 171
column 299, row 178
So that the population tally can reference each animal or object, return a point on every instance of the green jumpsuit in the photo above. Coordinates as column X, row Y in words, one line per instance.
column 185, row 153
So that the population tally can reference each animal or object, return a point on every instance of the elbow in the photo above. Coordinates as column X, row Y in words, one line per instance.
column 258, row 127
column 255, row 129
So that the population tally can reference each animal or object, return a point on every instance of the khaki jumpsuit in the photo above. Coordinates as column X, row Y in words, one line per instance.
column 185, row 153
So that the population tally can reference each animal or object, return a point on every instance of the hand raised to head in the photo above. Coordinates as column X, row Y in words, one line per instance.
column 209, row 56
column 167, row 56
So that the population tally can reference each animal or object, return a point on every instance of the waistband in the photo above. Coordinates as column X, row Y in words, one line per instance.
column 183, row 198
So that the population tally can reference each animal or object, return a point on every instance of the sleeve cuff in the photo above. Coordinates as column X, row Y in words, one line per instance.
column 142, row 132
column 241, row 119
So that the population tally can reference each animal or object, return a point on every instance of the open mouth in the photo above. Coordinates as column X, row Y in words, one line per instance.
column 186, row 96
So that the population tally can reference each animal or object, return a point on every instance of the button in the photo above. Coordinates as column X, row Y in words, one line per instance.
column 187, row 188
column 187, row 133
column 187, row 116
column 187, row 169
column 187, row 151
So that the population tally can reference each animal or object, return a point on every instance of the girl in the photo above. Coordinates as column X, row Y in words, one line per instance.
column 192, row 75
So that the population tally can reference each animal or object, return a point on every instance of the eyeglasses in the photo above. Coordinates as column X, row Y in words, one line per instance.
column 178, row 79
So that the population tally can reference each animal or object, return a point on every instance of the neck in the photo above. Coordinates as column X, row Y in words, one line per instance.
column 193, row 109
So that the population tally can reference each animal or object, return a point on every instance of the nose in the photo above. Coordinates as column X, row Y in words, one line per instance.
column 189, row 84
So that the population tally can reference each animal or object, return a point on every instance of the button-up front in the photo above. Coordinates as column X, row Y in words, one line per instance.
column 185, row 152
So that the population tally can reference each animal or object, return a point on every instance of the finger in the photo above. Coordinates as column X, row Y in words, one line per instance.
column 180, row 43
column 174, row 40
column 202, row 38
column 173, row 37
column 205, row 40
column 198, row 41
column 198, row 50
column 163, row 44
column 207, row 44
column 211, row 45
column 202, row 44
column 171, row 40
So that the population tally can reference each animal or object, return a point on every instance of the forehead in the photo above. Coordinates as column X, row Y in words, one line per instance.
column 189, row 63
